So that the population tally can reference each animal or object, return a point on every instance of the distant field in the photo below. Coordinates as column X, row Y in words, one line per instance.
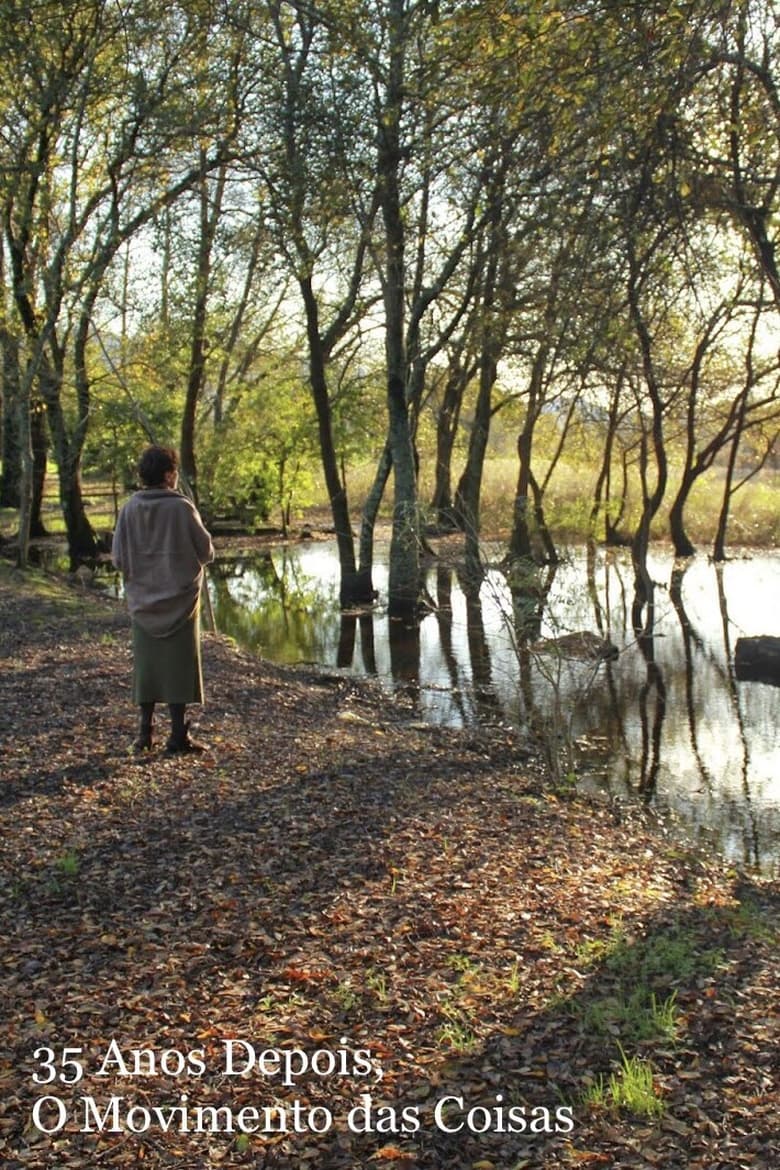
column 754, row 515
column 99, row 501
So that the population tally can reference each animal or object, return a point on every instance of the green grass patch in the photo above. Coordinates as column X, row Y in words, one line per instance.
column 749, row 919
column 629, row 1089
column 457, row 1031
column 68, row 865
column 637, row 982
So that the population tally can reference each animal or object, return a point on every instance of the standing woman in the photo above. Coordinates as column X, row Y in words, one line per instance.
column 160, row 545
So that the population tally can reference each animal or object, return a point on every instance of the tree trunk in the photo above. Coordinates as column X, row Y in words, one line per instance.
column 404, row 577
column 40, row 452
column 682, row 544
column 651, row 499
column 719, row 544
column 538, row 489
column 693, row 464
column 613, row 536
column 467, row 499
column 25, row 467
column 520, row 540
column 551, row 553
column 354, row 587
column 209, row 219
column 601, row 491
column 11, row 391
column 371, row 511
column 447, row 421
column 82, row 544
column 642, row 608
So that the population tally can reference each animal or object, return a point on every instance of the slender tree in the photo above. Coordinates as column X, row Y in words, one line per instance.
column 321, row 211
column 732, row 157
column 99, row 143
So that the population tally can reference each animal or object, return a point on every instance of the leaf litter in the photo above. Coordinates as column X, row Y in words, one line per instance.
column 334, row 878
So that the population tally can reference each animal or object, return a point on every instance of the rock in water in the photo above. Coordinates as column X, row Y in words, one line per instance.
column 582, row 644
column 758, row 659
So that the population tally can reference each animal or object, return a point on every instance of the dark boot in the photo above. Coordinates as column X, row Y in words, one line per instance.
column 143, row 742
column 179, row 739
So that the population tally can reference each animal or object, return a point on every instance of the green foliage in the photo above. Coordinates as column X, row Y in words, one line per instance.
column 240, row 481
column 636, row 1016
column 665, row 958
column 128, row 217
column 136, row 399
column 120, row 430
column 262, row 457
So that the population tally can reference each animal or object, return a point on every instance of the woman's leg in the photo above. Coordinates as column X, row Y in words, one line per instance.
column 179, row 740
column 144, row 741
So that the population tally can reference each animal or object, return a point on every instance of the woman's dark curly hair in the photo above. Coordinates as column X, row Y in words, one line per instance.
column 154, row 463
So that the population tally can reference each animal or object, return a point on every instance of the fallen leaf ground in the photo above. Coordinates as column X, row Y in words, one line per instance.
column 332, row 880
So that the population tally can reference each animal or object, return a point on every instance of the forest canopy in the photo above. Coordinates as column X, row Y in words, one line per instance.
column 288, row 236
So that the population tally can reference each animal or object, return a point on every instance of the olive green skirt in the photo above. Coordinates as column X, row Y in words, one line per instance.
column 168, row 670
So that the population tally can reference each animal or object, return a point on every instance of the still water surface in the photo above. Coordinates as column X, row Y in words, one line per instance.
column 667, row 723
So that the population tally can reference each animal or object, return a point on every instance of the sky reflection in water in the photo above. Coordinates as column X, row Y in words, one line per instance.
column 679, row 730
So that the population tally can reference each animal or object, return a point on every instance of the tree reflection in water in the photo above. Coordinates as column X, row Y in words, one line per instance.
column 666, row 722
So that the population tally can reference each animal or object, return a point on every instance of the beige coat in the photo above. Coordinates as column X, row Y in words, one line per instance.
column 160, row 545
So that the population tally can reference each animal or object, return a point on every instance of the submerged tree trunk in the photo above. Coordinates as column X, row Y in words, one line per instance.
column 642, row 609
column 683, row 546
column 371, row 511
column 467, row 499
column 404, row 576
column 551, row 553
column 719, row 544
column 602, row 494
column 538, row 489
column 355, row 589
column 520, row 541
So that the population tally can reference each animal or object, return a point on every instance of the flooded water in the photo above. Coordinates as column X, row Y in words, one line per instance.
column 666, row 721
